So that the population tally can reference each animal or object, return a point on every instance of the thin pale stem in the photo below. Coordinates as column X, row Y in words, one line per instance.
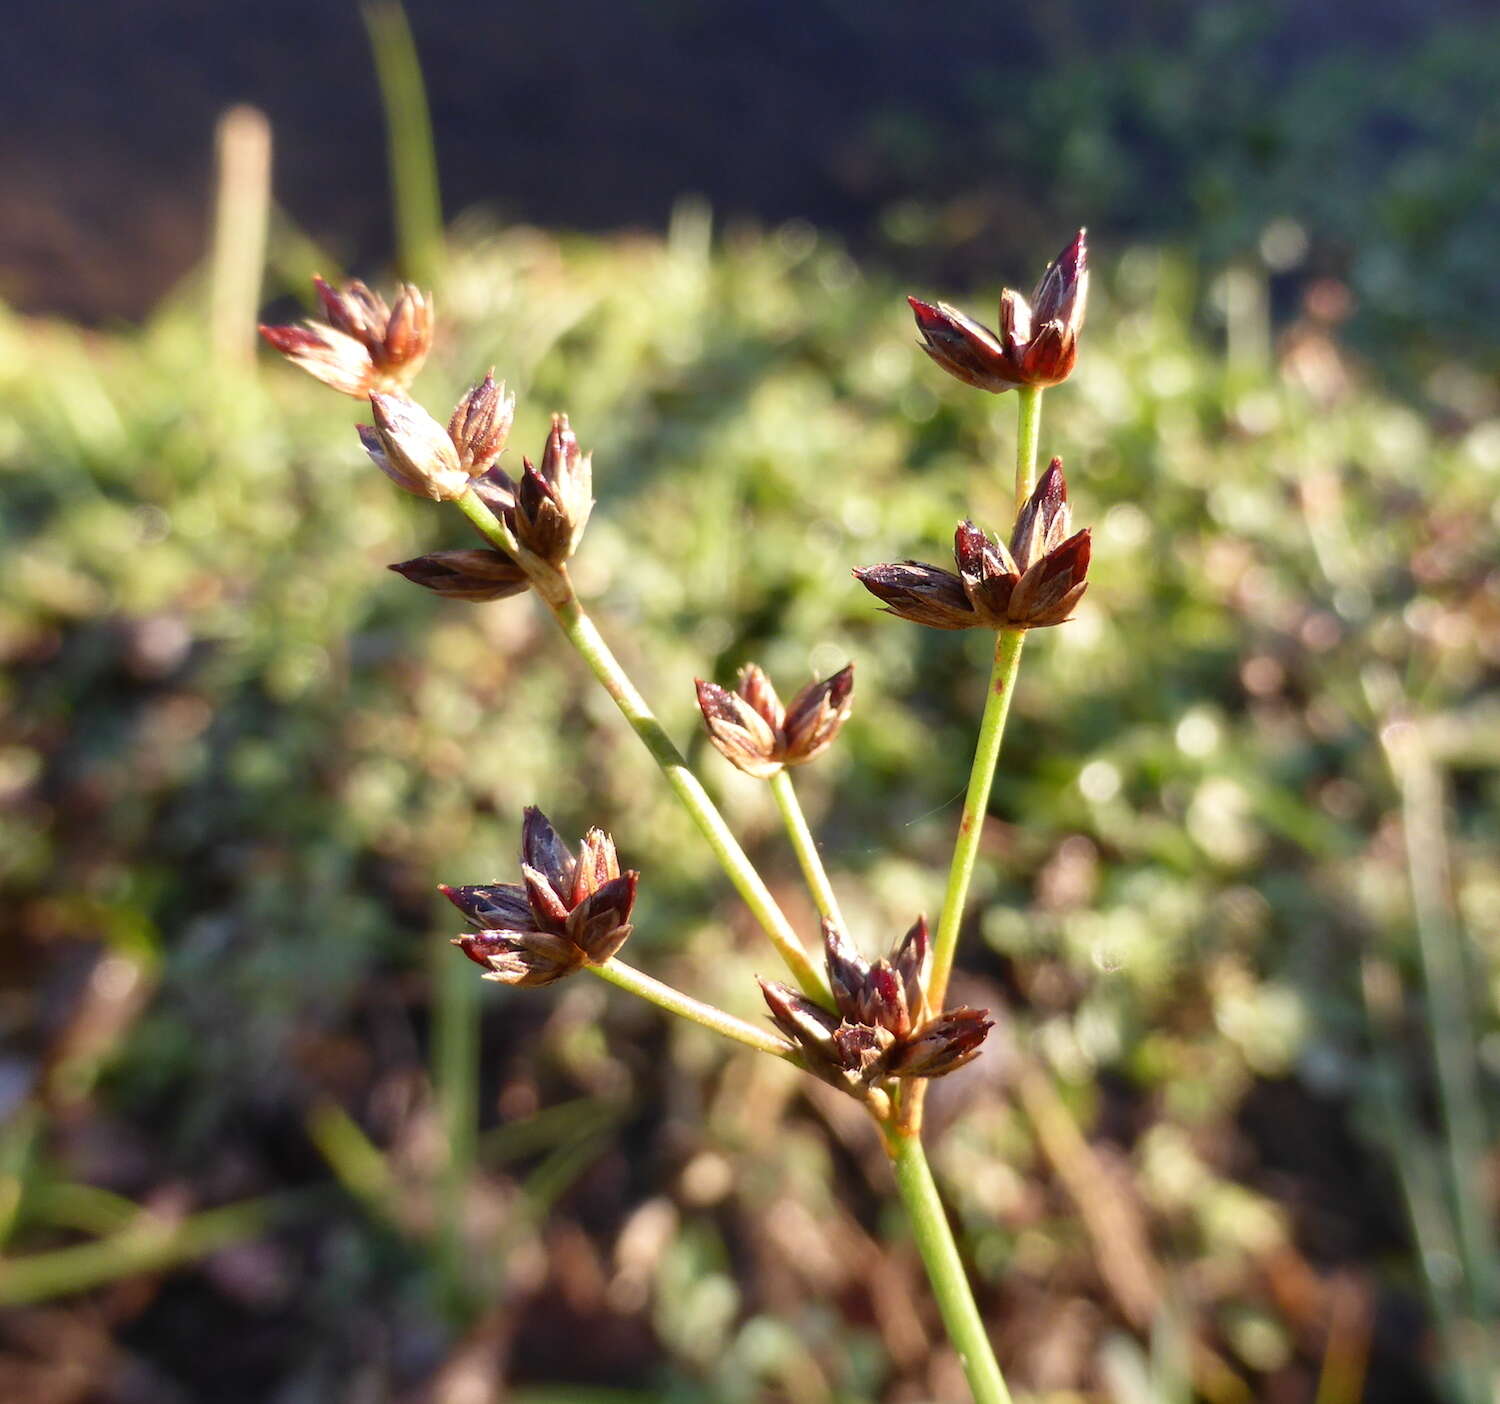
column 981, row 776
column 710, row 1016
column 806, row 847
column 1028, row 433
column 554, row 587
column 945, row 1270
column 1446, row 987
column 490, row 526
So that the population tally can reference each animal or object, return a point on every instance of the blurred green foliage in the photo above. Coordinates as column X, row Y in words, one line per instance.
column 237, row 758
column 1363, row 146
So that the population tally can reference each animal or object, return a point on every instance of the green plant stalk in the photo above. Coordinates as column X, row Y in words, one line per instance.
column 583, row 634
column 970, row 827
column 945, row 1270
column 150, row 1244
column 416, row 204
column 709, row 1016
column 991, row 731
column 806, row 848
column 1446, row 988
column 455, row 1076
column 585, row 637
column 1028, row 433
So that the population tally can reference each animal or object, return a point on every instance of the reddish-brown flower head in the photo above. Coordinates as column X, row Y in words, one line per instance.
column 882, row 1028
column 365, row 346
column 1036, row 582
column 549, row 508
column 420, row 456
column 1038, row 341
column 753, row 731
column 566, row 912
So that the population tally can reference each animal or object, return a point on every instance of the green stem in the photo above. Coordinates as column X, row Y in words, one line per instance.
column 806, row 848
column 412, row 154
column 981, row 776
column 585, row 637
column 553, row 586
column 710, row 1016
column 1028, row 432
column 1447, row 991
column 490, row 526
column 945, row 1270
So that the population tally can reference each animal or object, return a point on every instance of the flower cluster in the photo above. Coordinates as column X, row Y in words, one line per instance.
column 1038, row 341
column 754, row 732
column 882, row 1028
column 365, row 346
column 1037, row 582
column 564, row 913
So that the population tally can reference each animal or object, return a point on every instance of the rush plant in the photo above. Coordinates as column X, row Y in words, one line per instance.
column 878, row 1030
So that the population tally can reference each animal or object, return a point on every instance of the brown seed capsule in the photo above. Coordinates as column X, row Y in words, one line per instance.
column 566, row 912
column 1034, row 583
column 1038, row 341
column 365, row 346
column 551, row 503
column 476, row 576
column 882, row 1029
column 480, row 424
column 754, row 732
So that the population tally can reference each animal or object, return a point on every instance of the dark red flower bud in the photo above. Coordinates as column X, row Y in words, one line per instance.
column 1034, row 583
column 924, row 594
column 498, row 906
column 521, row 957
column 942, row 1044
column 566, row 912
column 882, row 1030
column 1037, row 344
column 816, row 716
column 477, row 576
column 753, row 731
column 553, row 501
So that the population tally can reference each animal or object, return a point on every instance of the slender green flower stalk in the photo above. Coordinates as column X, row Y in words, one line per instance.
column 556, row 589
column 1028, row 437
column 945, row 1269
column 710, row 1016
column 806, row 848
column 1003, row 672
column 976, row 802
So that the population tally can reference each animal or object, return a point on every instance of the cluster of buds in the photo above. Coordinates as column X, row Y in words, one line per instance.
column 549, row 508
column 882, row 1028
column 365, row 346
column 754, row 732
column 422, row 457
column 565, row 913
column 1038, row 341
column 1037, row 582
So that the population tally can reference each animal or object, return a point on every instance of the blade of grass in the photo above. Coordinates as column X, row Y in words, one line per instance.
column 417, row 206
column 151, row 1244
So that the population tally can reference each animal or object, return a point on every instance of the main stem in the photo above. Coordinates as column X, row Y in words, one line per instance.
column 710, row 1016
column 945, row 1270
column 582, row 633
column 806, row 847
column 991, row 731
column 1028, row 433
column 976, row 802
